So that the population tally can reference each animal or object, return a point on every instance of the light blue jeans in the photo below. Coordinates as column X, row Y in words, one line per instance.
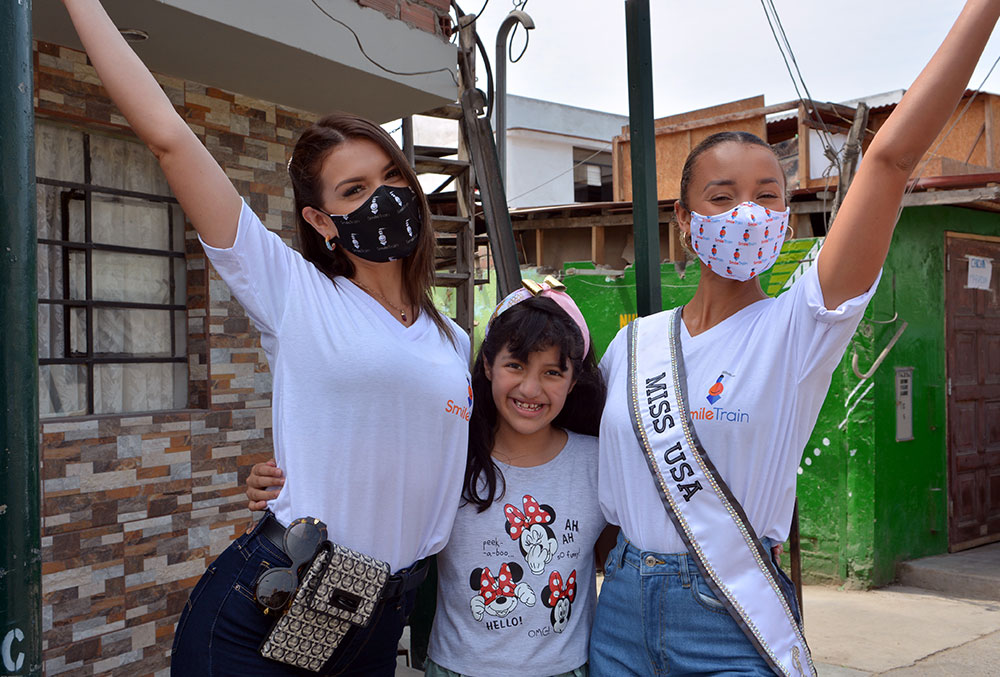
column 657, row 616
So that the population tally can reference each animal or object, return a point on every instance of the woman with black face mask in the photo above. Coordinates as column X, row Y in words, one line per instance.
column 370, row 381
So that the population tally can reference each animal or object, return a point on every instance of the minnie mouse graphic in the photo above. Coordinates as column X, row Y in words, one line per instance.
column 559, row 598
column 499, row 595
column 531, row 531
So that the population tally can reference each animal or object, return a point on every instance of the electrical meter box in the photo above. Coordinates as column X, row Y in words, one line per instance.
column 904, row 404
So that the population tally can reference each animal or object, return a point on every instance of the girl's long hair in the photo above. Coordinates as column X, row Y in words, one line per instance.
column 535, row 324
column 304, row 168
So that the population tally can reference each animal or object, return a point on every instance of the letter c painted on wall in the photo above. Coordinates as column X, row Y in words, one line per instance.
column 9, row 663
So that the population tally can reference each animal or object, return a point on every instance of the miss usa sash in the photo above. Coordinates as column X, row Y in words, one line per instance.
column 707, row 516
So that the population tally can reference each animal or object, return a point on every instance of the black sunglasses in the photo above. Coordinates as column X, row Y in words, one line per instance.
column 276, row 587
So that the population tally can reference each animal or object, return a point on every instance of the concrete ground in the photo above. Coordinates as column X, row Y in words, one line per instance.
column 901, row 631
column 973, row 574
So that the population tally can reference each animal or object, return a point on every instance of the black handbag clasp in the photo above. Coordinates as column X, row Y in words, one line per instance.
column 345, row 600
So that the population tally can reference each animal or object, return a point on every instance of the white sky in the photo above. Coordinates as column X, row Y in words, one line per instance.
column 707, row 52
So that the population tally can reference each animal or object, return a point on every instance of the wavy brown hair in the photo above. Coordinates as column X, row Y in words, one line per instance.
column 312, row 148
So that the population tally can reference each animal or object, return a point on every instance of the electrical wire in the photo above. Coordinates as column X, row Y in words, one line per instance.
column 518, row 5
column 604, row 149
column 482, row 10
column 795, row 63
column 788, row 56
column 933, row 151
column 965, row 110
column 490, row 87
column 361, row 47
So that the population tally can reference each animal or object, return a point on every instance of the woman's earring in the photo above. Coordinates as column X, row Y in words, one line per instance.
column 329, row 245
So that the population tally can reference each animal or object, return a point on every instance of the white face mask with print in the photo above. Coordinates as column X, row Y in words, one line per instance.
column 740, row 243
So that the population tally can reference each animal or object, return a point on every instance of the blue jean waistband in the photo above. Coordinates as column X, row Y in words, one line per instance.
column 651, row 563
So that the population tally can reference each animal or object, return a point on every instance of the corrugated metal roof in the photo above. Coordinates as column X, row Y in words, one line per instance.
column 875, row 102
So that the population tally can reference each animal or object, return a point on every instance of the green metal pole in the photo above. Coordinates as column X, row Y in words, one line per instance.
column 20, row 537
column 645, row 213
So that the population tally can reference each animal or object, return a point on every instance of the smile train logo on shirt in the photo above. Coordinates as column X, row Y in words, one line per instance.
column 717, row 413
column 715, row 392
column 464, row 413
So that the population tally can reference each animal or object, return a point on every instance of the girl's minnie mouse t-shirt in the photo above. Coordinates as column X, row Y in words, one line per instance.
column 516, row 588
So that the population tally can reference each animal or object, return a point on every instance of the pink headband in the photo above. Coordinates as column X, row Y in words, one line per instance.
column 553, row 289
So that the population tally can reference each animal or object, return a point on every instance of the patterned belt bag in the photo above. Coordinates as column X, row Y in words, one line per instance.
column 340, row 589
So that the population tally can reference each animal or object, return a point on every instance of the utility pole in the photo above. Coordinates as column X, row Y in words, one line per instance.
column 20, row 538
column 852, row 151
column 500, row 63
column 645, row 212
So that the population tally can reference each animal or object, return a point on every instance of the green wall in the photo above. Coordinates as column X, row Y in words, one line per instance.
column 911, row 489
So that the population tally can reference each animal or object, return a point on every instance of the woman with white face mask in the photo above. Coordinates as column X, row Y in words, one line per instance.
column 368, row 376
column 709, row 406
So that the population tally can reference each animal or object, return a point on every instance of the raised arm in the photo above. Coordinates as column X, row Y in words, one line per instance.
column 201, row 186
column 859, row 238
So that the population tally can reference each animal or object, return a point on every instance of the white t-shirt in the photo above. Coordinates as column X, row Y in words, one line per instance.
column 537, row 628
column 370, row 417
column 775, row 359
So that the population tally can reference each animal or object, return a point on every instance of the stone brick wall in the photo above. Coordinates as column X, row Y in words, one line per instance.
column 427, row 15
column 135, row 507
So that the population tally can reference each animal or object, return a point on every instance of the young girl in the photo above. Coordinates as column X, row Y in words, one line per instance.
column 710, row 405
column 516, row 587
column 363, row 364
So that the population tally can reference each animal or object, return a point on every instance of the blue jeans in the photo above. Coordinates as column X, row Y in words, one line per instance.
column 221, row 628
column 656, row 615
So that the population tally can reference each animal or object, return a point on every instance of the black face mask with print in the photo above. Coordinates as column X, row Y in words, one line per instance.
column 385, row 228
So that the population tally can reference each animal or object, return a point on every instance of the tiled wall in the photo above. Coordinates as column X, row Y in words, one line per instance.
column 135, row 507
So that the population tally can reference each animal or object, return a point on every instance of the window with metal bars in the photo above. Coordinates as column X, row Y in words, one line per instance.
column 112, row 331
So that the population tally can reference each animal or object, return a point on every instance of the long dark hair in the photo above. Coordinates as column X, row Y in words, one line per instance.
column 304, row 169
column 535, row 324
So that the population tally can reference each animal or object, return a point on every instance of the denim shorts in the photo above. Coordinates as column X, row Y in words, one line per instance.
column 656, row 615
column 222, row 627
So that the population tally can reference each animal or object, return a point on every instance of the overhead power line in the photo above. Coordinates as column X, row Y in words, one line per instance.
column 361, row 47
column 562, row 173
column 788, row 56
column 933, row 151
